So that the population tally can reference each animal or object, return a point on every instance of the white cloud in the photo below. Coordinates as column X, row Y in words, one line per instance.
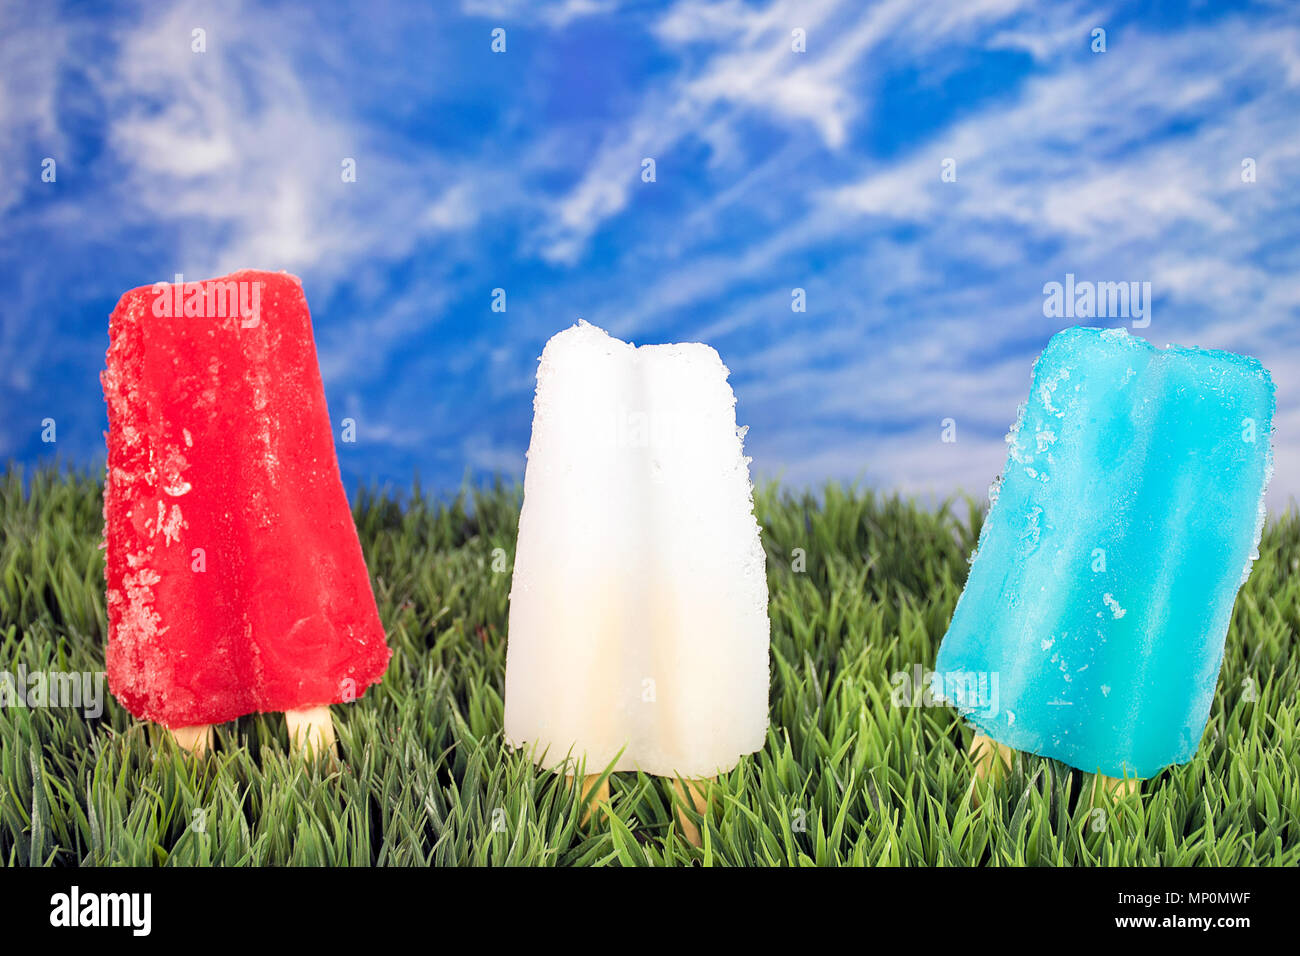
column 35, row 41
column 553, row 13
column 232, row 146
column 1119, row 166
column 746, row 69
column 924, row 297
column 1046, row 43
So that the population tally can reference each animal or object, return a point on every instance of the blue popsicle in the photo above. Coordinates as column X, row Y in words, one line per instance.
column 1092, row 625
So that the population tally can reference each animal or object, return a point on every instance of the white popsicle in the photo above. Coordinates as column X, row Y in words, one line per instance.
column 638, row 611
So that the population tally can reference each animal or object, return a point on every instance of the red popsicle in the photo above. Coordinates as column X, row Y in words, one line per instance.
column 236, row 582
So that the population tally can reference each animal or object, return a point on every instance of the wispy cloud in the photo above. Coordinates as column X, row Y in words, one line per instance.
column 776, row 169
column 1099, row 165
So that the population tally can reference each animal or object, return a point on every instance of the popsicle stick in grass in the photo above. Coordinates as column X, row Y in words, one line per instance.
column 311, row 732
column 595, row 795
column 693, row 793
column 1119, row 788
column 197, row 740
column 992, row 760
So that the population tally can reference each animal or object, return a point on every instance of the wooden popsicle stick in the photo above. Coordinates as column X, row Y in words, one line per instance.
column 992, row 760
column 311, row 732
column 197, row 739
column 595, row 789
column 1119, row 788
column 696, row 793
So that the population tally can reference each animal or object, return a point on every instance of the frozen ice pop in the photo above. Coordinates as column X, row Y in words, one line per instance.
column 638, row 609
column 1092, row 626
column 235, row 578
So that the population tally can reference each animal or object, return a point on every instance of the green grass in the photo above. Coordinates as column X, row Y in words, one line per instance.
column 847, row 776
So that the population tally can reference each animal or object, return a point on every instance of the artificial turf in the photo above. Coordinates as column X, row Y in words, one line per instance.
column 857, row 770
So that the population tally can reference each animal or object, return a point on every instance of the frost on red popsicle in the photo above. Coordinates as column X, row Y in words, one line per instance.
column 235, row 578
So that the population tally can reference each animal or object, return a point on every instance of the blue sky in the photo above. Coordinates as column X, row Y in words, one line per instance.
column 774, row 170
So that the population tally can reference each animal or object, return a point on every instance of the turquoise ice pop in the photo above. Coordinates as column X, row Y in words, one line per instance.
column 1092, row 625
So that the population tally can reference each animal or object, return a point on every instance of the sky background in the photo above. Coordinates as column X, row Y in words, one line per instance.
column 775, row 170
